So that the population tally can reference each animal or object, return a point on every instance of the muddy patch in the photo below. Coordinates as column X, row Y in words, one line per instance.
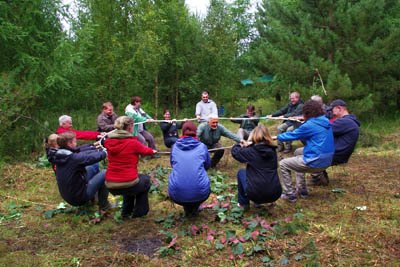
column 147, row 246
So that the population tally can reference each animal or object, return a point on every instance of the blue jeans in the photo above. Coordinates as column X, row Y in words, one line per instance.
column 242, row 187
column 95, row 183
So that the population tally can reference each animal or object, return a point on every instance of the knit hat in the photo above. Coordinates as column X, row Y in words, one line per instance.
column 189, row 128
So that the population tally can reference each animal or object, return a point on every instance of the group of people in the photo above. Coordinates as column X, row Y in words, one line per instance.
column 125, row 139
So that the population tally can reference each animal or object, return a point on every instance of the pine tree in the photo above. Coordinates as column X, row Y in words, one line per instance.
column 350, row 43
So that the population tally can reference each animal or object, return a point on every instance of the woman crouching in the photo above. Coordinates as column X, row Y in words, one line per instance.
column 259, row 182
column 189, row 184
column 122, row 176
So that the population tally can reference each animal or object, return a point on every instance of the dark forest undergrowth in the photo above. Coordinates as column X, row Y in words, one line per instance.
column 354, row 221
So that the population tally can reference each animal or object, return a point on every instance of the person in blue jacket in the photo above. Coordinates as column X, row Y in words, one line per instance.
column 316, row 156
column 259, row 182
column 346, row 130
column 188, row 184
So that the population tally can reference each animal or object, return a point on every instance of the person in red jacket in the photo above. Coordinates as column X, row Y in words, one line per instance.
column 66, row 126
column 122, row 177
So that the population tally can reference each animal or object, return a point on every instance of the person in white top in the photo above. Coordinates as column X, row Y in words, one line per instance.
column 206, row 108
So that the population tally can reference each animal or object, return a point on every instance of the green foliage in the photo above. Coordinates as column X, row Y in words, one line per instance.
column 347, row 42
column 14, row 212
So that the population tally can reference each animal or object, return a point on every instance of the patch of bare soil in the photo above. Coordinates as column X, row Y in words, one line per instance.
column 147, row 246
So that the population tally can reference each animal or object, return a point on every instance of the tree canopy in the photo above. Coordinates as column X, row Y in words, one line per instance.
column 158, row 50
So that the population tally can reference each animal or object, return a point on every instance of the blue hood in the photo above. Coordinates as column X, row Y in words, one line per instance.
column 187, row 143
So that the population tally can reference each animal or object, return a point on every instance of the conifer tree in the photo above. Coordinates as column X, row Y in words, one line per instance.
column 350, row 43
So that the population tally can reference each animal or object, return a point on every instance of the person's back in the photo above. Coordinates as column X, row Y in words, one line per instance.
column 345, row 132
column 71, row 173
column 263, row 184
column 123, row 156
column 188, row 181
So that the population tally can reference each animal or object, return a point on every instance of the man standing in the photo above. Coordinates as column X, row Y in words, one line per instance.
column 292, row 109
column 316, row 156
column 210, row 133
column 106, row 119
column 346, row 129
column 206, row 108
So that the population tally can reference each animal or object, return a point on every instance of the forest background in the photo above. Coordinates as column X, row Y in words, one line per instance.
column 158, row 50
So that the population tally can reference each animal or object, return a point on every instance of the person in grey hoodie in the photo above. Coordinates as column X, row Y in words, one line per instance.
column 210, row 133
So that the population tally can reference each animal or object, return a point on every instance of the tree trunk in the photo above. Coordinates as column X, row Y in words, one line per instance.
column 176, row 94
column 156, row 96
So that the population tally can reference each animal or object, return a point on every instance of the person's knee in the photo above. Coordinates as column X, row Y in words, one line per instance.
column 145, row 180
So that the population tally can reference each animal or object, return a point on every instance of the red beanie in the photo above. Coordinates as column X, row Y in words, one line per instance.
column 189, row 128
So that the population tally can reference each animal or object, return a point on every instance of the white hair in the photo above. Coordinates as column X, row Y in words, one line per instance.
column 212, row 116
column 317, row 98
column 63, row 119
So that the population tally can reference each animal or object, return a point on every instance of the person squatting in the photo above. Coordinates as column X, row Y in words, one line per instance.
column 329, row 134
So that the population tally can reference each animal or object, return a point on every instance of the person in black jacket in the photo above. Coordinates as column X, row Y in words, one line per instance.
column 259, row 182
column 293, row 109
column 78, row 175
column 246, row 126
column 169, row 129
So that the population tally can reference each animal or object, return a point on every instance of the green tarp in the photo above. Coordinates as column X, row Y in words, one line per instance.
column 262, row 79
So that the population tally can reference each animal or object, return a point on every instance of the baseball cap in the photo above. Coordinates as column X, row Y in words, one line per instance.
column 336, row 103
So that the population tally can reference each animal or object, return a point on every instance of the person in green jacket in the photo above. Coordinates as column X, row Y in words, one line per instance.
column 209, row 133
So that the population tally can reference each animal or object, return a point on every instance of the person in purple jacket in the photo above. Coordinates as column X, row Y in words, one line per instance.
column 188, row 184
column 346, row 129
column 316, row 156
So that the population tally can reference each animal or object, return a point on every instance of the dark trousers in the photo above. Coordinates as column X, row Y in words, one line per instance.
column 217, row 154
column 242, row 188
column 169, row 141
column 191, row 208
column 136, row 201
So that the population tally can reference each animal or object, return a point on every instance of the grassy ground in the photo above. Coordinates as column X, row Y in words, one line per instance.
column 352, row 222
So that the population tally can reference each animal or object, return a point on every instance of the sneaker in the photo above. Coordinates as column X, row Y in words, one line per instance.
column 290, row 198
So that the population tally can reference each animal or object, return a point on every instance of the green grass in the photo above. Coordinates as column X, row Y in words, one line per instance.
column 325, row 229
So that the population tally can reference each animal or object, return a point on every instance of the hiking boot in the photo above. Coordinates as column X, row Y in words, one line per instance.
column 288, row 148
column 303, row 193
column 280, row 147
column 289, row 198
column 320, row 179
